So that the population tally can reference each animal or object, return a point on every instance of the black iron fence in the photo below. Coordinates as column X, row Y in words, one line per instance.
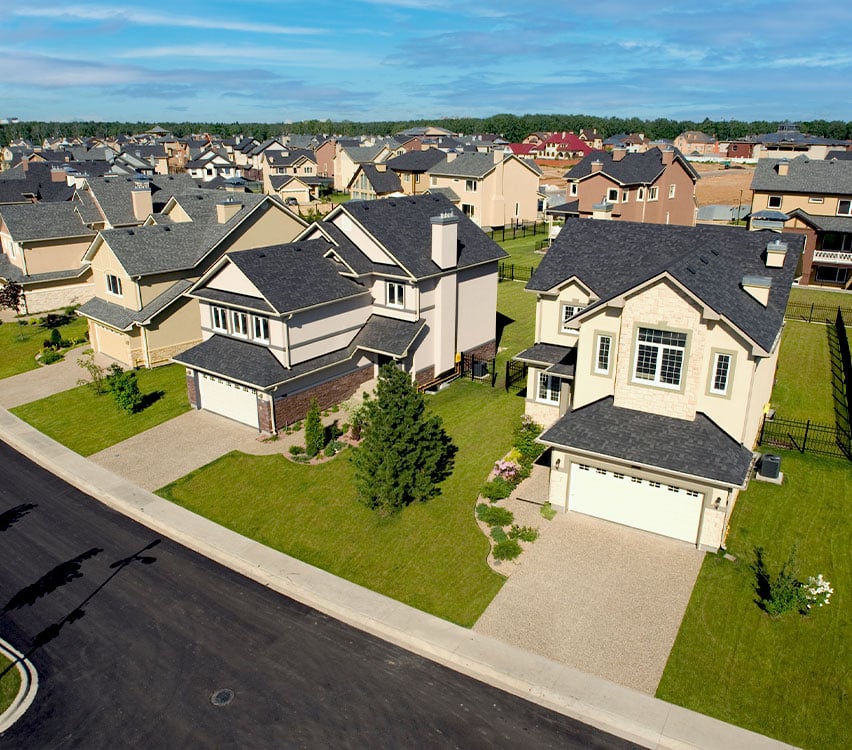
column 516, row 375
column 806, row 437
column 813, row 312
column 844, row 375
column 517, row 229
column 513, row 272
column 479, row 369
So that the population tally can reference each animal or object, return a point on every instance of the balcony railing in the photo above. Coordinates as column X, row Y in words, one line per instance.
column 831, row 256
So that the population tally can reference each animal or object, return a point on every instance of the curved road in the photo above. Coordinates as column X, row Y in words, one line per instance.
column 132, row 635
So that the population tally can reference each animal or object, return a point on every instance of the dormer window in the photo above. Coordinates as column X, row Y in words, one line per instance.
column 239, row 320
column 220, row 319
column 395, row 294
column 568, row 312
column 260, row 329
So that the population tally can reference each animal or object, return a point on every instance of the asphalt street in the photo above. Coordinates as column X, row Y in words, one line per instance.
column 137, row 639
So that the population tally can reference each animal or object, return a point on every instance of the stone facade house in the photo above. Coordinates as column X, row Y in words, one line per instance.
column 406, row 280
column 653, row 364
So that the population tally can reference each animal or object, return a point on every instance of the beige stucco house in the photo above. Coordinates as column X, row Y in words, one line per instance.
column 406, row 280
column 138, row 315
column 654, row 360
column 493, row 189
column 812, row 197
column 347, row 159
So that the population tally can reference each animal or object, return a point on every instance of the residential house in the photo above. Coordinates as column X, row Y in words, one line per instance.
column 406, row 280
column 696, row 143
column 592, row 138
column 209, row 164
column 347, row 159
column 493, row 189
column 654, row 359
column 412, row 167
column 812, row 197
column 657, row 186
column 138, row 315
column 562, row 146
column 372, row 181
column 42, row 249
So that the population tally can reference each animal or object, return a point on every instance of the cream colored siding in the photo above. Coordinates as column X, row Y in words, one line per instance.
column 173, row 333
column 477, row 301
column 231, row 279
column 326, row 329
column 55, row 256
column 589, row 386
column 104, row 262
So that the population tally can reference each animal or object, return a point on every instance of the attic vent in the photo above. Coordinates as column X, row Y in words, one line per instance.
column 715, row 252
column 703, row 260
column 261, row 255
column 690, row 269
column 130, row 232
column 167, row 229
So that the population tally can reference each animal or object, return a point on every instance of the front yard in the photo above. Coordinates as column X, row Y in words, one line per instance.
column 19, row 344
column 431, row 556
column 87, row 423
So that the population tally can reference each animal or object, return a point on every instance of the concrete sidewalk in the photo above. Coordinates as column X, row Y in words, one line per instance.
column 595, row 701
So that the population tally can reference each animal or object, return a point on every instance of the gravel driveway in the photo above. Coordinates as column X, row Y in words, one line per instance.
column 600, row 597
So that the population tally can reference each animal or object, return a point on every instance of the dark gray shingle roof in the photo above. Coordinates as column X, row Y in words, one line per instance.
column 121, row 318
column 632, row 169
column 416, row 161
column 612, row 257
column 388, row 335
column 42, row 221
column 384, row 181
column 804, row 175
column 698, row 448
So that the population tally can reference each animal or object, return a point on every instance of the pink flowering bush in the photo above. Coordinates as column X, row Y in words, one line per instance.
column 508, row 470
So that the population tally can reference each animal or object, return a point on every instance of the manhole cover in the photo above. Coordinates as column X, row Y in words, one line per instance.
column 222, row 697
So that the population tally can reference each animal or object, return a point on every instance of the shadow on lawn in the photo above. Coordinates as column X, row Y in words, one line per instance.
column 150, row 399
column 502, row 322
column 839, row 386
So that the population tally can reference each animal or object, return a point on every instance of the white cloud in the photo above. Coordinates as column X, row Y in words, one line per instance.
column 147, row 18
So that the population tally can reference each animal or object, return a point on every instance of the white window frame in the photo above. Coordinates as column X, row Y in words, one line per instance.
column 625, row 196
column 471, row 186
column 433, row 181
column 548, row 389
column 568, row 312
column 774, row 201
column 640, row 194
column 844, row 210
column 720, row 375
column 394, row 294
column 260, row 328
column 468, row 209
column 239, row 324
column 612, row 195
column 219, row 318
column 603, row 353
column 653, row 193
column 815, row 199
column 666, row 353
column 572, row 189
column 672, row 189
column 838, row 275
column 113, row 285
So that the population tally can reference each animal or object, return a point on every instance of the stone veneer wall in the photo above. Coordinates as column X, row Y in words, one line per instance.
column 192, row 390
column 162, row 355
column 294, row 408
column 484, row 351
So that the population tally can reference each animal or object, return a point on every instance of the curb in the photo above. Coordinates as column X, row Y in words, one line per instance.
column 612, row 708
column 27, row 690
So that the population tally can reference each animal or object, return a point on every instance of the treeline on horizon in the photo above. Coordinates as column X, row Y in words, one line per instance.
column 513, row 128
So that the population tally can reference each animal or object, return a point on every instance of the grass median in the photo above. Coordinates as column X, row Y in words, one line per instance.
column 10, row 684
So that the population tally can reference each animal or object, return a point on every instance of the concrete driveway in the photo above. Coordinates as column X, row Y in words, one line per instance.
column 597, row 596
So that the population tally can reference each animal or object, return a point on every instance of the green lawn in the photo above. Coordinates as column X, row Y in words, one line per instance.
column 19, row 344
column 9, row 685
column 88, row 423
column 808, row 295
column 789, row 678
column 515, row 320
column 431, row 556
column 522, row 250
column 803, row 388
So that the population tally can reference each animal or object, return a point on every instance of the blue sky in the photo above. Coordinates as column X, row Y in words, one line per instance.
column 273, row 61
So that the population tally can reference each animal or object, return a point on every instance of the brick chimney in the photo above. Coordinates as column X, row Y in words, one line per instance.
column 618, row 154
column 445, row 233
column 668, row 156
column 57, row 174
column 227, row 209
column 597, row 166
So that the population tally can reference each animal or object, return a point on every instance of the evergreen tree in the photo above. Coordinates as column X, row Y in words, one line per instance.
column 314, row 433
column 405, row 452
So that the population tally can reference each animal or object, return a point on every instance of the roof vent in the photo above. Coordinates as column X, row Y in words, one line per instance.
column 130, row 232
column 758, row 287
column 776, row 252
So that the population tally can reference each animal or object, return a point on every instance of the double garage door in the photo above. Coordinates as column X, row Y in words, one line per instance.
column 633, row 501
column 228, row 399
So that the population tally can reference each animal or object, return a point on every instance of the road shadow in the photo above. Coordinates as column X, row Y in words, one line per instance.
column 8, row 518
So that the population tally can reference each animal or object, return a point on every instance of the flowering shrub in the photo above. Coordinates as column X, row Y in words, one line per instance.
column 507, row 469
column 817, row 591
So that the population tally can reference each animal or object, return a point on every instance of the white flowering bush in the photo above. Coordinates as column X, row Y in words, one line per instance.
column 818, row 591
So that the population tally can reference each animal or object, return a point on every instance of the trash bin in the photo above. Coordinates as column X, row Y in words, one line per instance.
column 770, row 466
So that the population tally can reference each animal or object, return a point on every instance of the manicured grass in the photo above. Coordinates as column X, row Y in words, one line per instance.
column 807, row 296
column 431, row 556
column 516, row 316
column 9, row 684
column 522, row 250
column 19, row 344
column 803, row 387
column 88, row 423
column 790, row 677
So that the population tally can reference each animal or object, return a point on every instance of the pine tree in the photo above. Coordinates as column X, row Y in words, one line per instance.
column 314, row 432
column 405, row 452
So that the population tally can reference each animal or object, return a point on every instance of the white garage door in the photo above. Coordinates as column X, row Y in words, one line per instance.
column 228, row 399
column 652, row 506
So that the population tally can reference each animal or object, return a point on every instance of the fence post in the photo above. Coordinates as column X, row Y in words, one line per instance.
column 811, row 315
column 805, row 439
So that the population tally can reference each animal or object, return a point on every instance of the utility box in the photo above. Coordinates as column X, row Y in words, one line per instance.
column 770, row 466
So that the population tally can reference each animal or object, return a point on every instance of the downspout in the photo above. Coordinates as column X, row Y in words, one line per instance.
column 287, row 339
column 145, row 350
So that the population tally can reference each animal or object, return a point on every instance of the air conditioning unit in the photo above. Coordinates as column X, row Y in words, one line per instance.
column 770, row 466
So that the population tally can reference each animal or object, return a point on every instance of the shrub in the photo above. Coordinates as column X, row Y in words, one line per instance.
column 55, row 338
column 494, row 515
column 547, row 511
column 497, row 489
column 497, row 534
column 314, row 432
column 297, row 426
column 525, row 436
column 301, row 459
column 508, row 470
column 49, row 356
column 508, row 549
column 96, row 372
column 782, row 592
column 296, row 450
column 329, row 450
column 124, row 388
column 524, row 533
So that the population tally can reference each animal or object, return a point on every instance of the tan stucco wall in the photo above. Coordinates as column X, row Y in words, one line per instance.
column 104, row 262
column 274, row 226
column 792, row 201
column 55, row 255
column 174, row 333
column 230, row 279
column 590, row 386
column 326, row 329
column 477, row 306
column 549, row 314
